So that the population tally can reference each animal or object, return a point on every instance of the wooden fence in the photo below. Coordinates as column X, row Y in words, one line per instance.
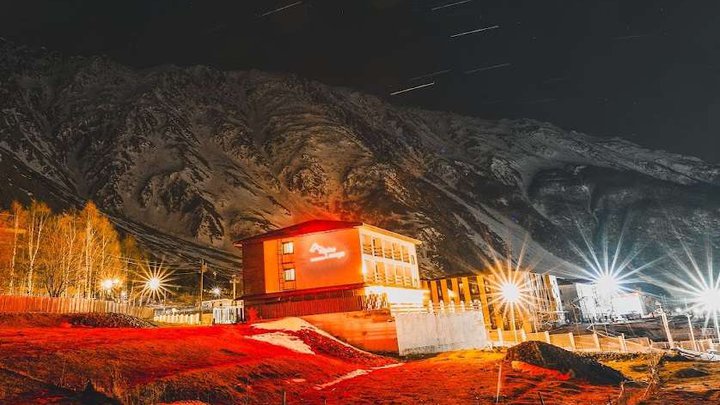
column 309, row 307
column 63, row 305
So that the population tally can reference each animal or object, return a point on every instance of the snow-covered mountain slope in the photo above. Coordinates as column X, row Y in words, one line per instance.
column 190, row 159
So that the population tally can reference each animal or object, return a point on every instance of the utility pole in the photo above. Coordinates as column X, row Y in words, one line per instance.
column 203, row 267
column 664, row 318
column 692, row 332
column 234, row 284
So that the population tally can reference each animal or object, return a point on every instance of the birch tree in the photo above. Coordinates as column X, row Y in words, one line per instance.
column 37, row 217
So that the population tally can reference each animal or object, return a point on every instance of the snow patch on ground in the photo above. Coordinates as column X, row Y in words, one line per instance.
column 353, row 374
column 289, row 324
column 293, row 324
column 284, row 340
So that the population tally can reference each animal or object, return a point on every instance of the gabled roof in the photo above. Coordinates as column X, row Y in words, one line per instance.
column 319, row 225
column 313, row 226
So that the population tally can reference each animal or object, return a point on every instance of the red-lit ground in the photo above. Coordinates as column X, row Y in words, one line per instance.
column 222, row 365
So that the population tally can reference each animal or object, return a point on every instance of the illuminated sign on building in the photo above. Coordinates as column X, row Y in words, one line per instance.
column 325, row 253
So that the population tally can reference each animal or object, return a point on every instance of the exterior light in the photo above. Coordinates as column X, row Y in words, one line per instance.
column 154, row 283
column 107, row 284
column 708, row 299
column 216, row 291
column 607, row 285
column 510, row 292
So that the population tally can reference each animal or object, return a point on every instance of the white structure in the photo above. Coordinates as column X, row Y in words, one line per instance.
column 436, row 332
column 596, row 305
column 228, row 314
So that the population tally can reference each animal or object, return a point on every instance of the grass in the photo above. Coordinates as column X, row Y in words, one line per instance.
column 219, row 365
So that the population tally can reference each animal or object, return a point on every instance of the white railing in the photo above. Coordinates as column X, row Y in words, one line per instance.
column 185, row 319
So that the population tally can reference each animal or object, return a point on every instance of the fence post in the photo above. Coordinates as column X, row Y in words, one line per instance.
column 571, row 338
column 523, row 335
column 596, row 338
column 621, row 340
column 547, row 337
column 501, row 341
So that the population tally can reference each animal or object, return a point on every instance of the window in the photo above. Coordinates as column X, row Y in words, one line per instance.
column 288, row 248
column 387, row 249
column 289, row 274
column 412, row 259
column 405, row 254
column 380, row 276
column 377, row 247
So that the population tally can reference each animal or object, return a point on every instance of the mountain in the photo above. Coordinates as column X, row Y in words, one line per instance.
column 190, row 159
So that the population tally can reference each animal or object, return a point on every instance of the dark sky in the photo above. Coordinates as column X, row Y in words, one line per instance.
column 647, row 71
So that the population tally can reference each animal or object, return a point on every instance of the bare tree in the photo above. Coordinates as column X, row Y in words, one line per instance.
column 37, row 216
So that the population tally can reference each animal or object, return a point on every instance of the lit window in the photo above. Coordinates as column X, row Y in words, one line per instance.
column 288, row 248
column 289, row 275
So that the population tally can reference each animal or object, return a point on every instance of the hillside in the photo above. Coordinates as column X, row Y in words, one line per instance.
column 43, row 363
column 190, row 159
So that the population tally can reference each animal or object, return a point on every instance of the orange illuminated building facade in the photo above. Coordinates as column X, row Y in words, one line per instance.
column 328, row 266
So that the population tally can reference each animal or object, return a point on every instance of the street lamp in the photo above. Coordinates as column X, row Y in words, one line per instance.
column 511, row 295
column 607, row 285
column 107, row 285
column 153, row 284
column 216, row 292
column 708, row 300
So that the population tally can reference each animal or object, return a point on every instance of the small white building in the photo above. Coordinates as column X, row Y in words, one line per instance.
column 593, row 305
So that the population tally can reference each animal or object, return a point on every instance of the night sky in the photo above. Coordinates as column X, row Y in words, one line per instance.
column 646, row 71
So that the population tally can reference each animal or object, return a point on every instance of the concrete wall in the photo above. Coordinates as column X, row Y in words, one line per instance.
column 373, row 331
column 424, row 333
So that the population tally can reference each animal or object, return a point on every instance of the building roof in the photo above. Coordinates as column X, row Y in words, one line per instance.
column 318, row 225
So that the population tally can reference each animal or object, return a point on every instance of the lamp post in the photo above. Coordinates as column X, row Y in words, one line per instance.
column 510, row 293
column 692, row 332
column 708, row 300
column 666, row 325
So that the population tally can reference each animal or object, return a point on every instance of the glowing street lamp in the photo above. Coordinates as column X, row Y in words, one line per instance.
column 510, row 294
column 107, row 284
column 708, row 300
column 216, row 292
column 153, row 284
column 607, row 285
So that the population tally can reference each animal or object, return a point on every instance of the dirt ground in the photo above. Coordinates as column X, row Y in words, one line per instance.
column 467, row 377
column 225, row 365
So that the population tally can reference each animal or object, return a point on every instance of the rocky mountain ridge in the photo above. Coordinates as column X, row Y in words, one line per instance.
column 190, row 159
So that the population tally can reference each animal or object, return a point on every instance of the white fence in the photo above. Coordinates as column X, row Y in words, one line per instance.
column 435, row 332
column 186, row 319
column 228, row 315
column 593, row 342
column 701, row 345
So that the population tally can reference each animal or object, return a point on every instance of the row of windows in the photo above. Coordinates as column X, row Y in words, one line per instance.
column 372, row 246
column 390, row 274
column 379, row 247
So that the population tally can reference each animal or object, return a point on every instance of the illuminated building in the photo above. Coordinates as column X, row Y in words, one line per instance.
column 325, row 266
column 588, row 302
column 537, row 304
